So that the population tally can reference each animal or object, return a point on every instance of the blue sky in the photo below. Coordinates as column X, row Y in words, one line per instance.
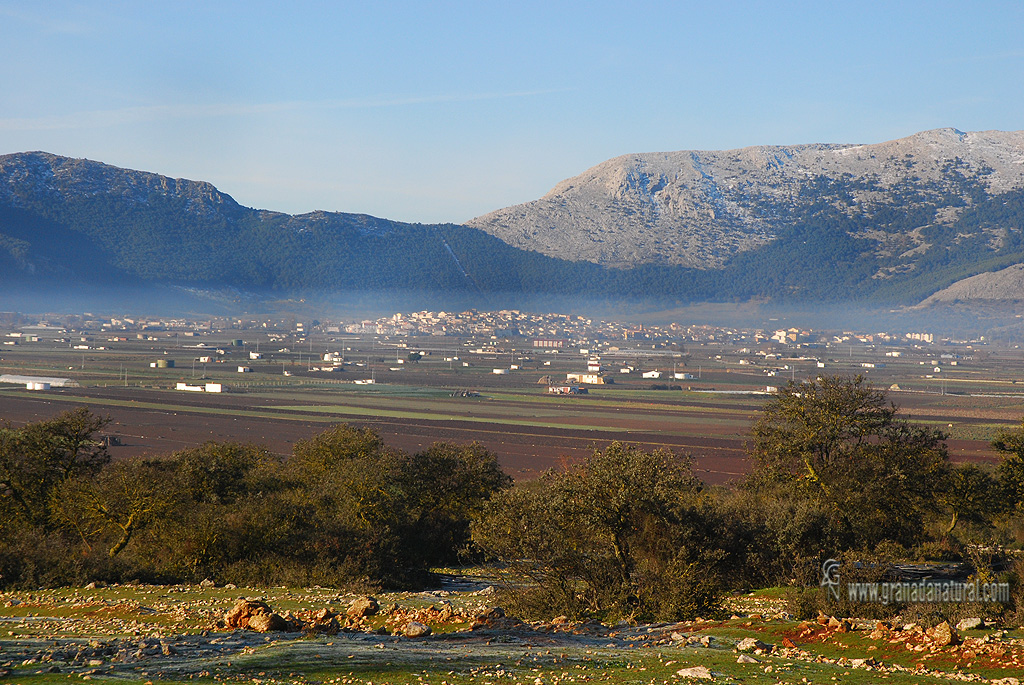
column 441, row 111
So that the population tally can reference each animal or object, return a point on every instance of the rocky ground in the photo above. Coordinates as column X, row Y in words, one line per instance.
column 151, row 634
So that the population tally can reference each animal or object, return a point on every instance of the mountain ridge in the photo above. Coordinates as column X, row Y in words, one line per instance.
column 700, row 208
column 939, row 207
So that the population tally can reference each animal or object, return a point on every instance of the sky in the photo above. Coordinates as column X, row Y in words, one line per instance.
column 442, row 111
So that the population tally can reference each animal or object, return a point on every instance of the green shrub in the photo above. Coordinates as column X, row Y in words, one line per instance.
column 625, row 534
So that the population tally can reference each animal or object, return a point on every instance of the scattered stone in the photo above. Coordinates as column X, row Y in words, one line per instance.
column 789, row 644
column 840, row 626
column 416, row 629
column 943, row 634
column 698, row 672
column 707, row 641
column 970, row 624
column 490, row 614
column 863, row 663
column 749, row 644
column 207, row 583
column 269, row 623
column 243, row 611
column 324, row 622
column 746, row 659
column 95, row 585
column 362, row 607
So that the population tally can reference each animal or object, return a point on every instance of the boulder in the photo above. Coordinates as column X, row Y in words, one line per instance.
column 243, row 611
column 269, row 623
column 698, row 672
column 750, row 644
column 970, row 624
column 490, row 614
column 416, row 629
column 943, row 634
column 324, row 621
column 746, row 659
column 363, row 606
column 839, row 625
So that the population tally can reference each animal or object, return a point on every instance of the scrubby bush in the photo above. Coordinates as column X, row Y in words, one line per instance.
column 627, row 533
column 345, row 509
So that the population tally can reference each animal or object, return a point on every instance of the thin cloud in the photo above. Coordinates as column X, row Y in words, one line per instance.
column 129, row 115
column 47, row 23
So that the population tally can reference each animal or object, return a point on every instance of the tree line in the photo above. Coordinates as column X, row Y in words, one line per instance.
column 626, row 533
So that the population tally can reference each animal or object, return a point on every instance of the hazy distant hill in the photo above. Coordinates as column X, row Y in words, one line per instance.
column 73, row 220
column 894, row 223
column 1004, row 285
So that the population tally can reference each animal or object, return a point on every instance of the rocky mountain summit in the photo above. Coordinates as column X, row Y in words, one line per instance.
column 699, row 208
column 41, row 175
column 889, row 223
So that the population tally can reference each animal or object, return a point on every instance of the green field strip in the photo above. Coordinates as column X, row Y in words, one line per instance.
column 629, row 403
column 185, row 408
column 315, row 414
column 389, row 413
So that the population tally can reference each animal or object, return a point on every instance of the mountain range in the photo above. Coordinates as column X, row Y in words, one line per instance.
column 894, row 222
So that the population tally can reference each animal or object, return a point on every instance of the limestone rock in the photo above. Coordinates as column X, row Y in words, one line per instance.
column 970, row 624
column 243, row 611
column 750, row 644
column 363, row 606
column 416, row 629
column 696, row 672
column 943, row 634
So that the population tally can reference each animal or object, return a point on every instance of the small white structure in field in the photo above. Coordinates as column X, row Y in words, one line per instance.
column 51, row 382
column 214, row 387
column 244, row 369
column 652, row 374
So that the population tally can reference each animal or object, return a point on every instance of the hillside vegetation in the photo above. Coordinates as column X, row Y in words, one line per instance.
column 842, row 237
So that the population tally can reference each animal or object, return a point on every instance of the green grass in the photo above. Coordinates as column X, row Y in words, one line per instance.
column 627, row 655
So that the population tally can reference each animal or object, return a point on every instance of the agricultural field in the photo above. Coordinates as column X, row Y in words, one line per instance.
column 415, row 391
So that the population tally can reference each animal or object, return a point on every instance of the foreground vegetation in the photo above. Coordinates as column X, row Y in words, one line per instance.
column 626, row 534
column 118, row 633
